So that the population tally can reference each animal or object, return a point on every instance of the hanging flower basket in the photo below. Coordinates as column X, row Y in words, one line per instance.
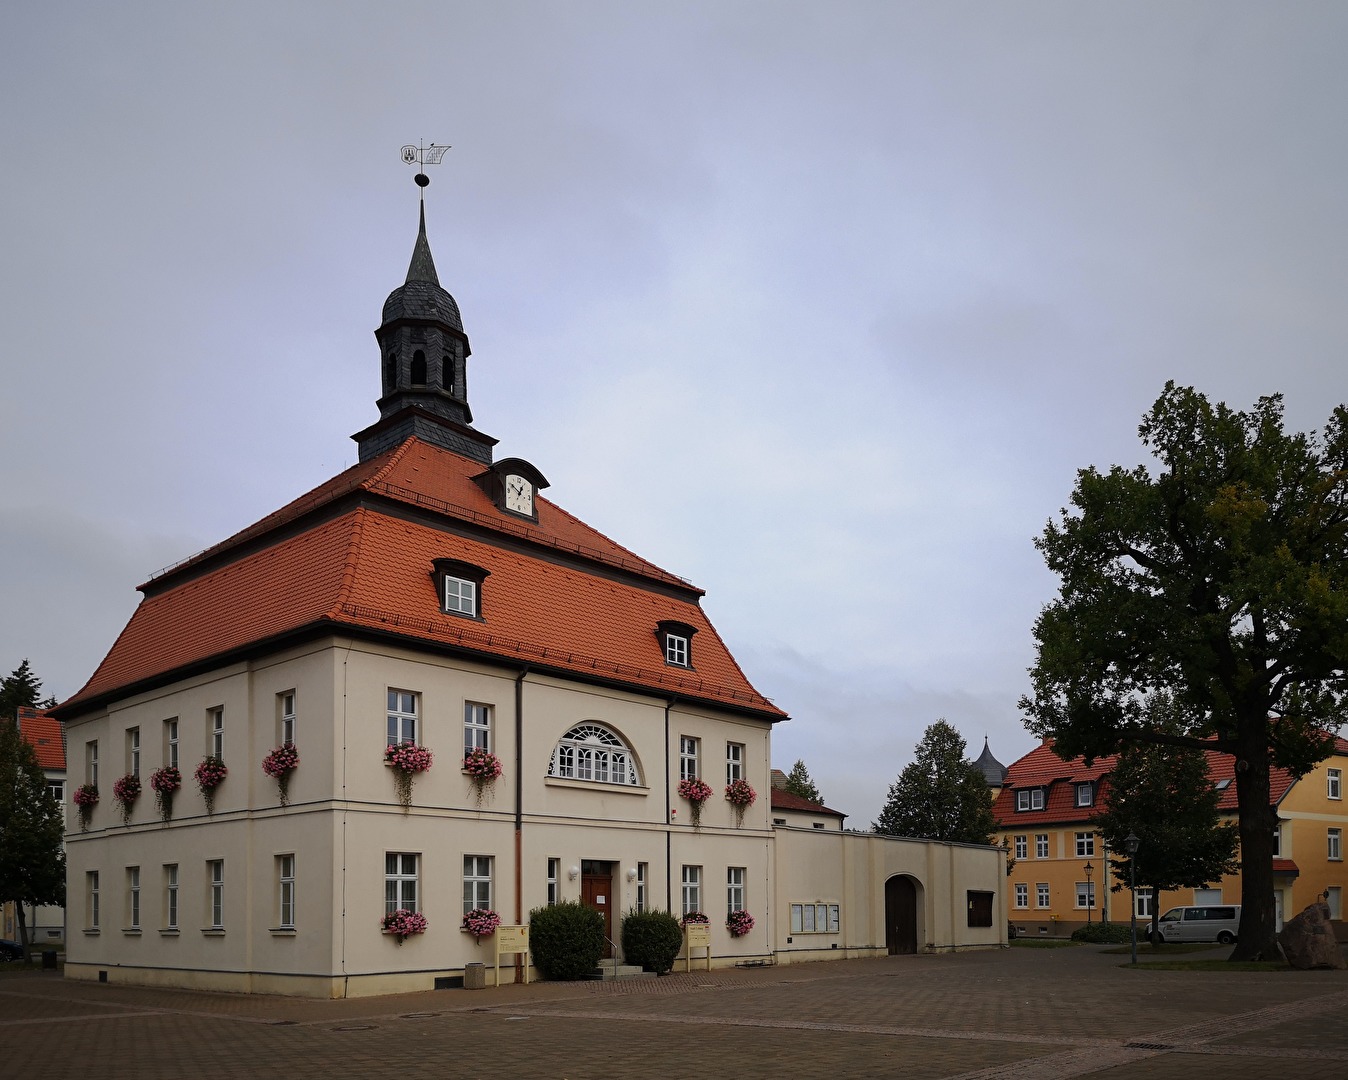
column 279, row 764
column 164, row 783
column 741, row 796
column 210, row 774
column 696, row 792
column 480, row 922
column 126, row 791
column 483, row 767
column 86, row 798
column 695, row 918
column 402, row 924
column 739, row 923
column 406, row 760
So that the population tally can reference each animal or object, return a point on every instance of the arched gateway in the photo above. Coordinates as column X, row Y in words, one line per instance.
column 901, row 893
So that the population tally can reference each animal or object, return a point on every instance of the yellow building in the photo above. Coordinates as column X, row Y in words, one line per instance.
column 1045, row 808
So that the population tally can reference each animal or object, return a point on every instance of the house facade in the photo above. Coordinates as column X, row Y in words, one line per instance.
column 45, row 922
column 568, row 691
column 1045, row 809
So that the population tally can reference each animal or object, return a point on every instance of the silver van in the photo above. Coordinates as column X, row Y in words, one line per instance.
column 1218, row 922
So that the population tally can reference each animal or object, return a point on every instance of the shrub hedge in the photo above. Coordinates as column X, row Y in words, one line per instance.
column 652, row 939
column 566, row 940
column 1108, row 933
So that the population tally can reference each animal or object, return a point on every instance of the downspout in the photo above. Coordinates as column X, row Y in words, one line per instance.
column 669, row 832
column 519, row 811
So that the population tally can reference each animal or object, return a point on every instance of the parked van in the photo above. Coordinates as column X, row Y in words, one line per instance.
column 1216, row 923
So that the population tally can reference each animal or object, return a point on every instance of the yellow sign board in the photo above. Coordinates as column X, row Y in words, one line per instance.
column 512, row 939
column 696, row 936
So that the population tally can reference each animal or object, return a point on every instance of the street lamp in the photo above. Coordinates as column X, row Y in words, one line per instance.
column 1090, row 896
column 1130, row 845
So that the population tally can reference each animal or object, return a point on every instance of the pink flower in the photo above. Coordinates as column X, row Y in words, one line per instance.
column 739, row 793
column 167, row 780
column 284, row 759
column 480, row 922
column 695, row 790
column 482, row 765
column 407, row 757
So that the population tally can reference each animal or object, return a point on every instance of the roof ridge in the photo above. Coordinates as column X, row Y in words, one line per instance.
column 399, row 452
column 352, row 560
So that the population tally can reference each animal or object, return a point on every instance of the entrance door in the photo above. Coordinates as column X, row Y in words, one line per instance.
column 596, row 891
column 900, row 915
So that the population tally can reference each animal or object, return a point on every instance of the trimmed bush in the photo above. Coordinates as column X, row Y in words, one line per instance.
column 566, row 940
column 1108, row 933
column 652, row 939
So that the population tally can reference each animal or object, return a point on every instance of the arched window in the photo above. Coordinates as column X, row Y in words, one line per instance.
column 591, row 752
column 447, row 373
column 418, row 368
column 390, row 373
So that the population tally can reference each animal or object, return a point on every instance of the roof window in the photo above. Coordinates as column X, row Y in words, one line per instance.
column 1030, row 799
column 676, row 642
column 459, row 586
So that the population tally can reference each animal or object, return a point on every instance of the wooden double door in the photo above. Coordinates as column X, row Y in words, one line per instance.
column 596, row 891
column 900, row 915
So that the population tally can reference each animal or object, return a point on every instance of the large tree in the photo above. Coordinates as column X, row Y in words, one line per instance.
column 940, row 795
column 1222, row 576
column 798, row 782
column 20, row 688
column 32, row 861
column 1165, row 796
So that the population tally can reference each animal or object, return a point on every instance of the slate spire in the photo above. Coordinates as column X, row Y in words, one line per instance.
column 422, row 267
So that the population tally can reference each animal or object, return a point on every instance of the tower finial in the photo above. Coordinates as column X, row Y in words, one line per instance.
column 423, row 156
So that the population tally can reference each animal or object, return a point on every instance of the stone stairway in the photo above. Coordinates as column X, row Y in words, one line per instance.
column 612, row 969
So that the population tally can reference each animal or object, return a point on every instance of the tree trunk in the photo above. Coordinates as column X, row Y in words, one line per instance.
column 1258, row 926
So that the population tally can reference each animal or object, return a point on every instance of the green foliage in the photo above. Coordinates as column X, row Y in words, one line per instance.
column 32, row 861
column 940, row 795
column 1104, row 933
column 21, row 688
column 798, row 782
column 566, row 940
column 1223, row 578
column 652, row 939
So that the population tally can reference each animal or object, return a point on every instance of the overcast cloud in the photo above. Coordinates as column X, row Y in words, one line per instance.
column 819, row 305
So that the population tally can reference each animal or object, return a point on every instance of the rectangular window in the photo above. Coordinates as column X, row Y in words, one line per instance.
column 734, row 889
column 171, row 742
column 133, row 751
column 216, row 723
column 980, row 908
column 692, row 889
column 734, row 762
column 476, row 882
column 460, row 595
column 57, row 789
column 133, row 897
column 1277, row 840
column 170, row 896
column 1022, row 895
column 1041, row 897
column 1335, row 901
column 215, row 875
column 400, row 882
column 402, row 717
column 554, row 881
column 1085, row 844
column 1041, row 845
column 476, row 727
column 91, row 762
column 1335, row 844
column 1030, row 799
column 688, row 758
column 1085, row 794
column 642, row 874
column 1143, row 910
column 676, row 650
column 285, row 713
column 285, row 892
column 1335, row 784
column 814, row 918
column 91, row 912
column 1022, row 847
column 1085, row 894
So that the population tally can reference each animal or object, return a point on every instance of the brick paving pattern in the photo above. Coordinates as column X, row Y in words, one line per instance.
column 1018, row 1014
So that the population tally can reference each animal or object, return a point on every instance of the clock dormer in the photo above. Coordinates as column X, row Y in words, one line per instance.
column 513, row 485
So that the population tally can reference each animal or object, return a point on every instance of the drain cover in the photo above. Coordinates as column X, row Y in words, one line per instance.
column 1149, row 1046
column 419, row 1016
column 354, row 1027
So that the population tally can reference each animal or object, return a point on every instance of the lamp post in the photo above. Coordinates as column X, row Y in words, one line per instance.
column 1130, row 845
column 1090, row 896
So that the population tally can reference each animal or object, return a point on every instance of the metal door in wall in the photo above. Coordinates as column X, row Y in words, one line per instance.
column 596, row 891
column 900, row 915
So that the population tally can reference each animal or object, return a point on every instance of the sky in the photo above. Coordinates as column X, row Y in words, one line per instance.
column 821, row 306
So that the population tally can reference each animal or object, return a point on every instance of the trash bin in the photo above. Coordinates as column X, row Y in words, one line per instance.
column 48, row 959
column 475, row 977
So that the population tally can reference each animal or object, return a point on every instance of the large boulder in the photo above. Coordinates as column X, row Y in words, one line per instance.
column 1308, row 940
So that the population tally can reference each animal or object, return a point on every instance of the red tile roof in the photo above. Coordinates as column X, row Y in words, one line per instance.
column 559, row 595
column 1041, row 767
column 1285, row 866
column 789, row 800
column 46, row 736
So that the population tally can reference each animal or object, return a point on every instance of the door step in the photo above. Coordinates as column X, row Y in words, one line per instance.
column 611, row 969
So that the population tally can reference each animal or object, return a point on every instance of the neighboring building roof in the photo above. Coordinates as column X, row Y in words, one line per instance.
column 994, row 772
column 1285, row 866
column 356, row 554
column 789, row 800
column 778, row 778
column 1042, row 768
column 47, row 737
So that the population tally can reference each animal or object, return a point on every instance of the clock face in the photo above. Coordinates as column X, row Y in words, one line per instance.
column 519, row 495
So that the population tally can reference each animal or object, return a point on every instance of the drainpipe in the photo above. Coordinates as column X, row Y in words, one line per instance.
column 519, row 813
column 669, row 832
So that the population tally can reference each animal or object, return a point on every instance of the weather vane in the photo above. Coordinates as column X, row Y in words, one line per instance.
column 423, row 156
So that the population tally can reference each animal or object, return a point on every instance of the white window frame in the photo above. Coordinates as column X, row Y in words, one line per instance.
column 1334, row 781
column 734, row 889
column 1335, row 901
column 1041, row 845
column 133, row 897
column 1335, row 845
column 216, row 728
column 285, row 705
column 403, row 716
column 1085, row 895
column 133, row 751
column 170, row 896
column 643, row 875
column 91, row 762
column 171, row 741
column 215, row 879
column 1085, row 845
column 676, row 650
column 460, row 596
column 285, row 891
column 734, row 762
column 1022, row 847
column 1043, row 895
column 402, row 881
column 91, row 898
column 1277, row 840
column 1085, row 794
column 1029, row 799
column 477, row 882
column 554, row 882
column 57, row 788
column 690, row 749
column 594, row 753
column 1143, row 908
column 476, row 727
column 690, row 892
column 1022, row 894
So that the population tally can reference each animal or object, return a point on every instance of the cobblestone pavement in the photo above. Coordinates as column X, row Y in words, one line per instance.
column 1004, row 1015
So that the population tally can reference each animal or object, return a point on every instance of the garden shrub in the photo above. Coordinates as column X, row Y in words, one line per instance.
column 652, row 939
column 566, row 940
column 1108, row 933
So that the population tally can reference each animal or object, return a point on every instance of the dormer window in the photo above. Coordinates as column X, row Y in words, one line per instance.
column 1085, row 794
column 460, row 587
column 1030, row 799
column 676, row 642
